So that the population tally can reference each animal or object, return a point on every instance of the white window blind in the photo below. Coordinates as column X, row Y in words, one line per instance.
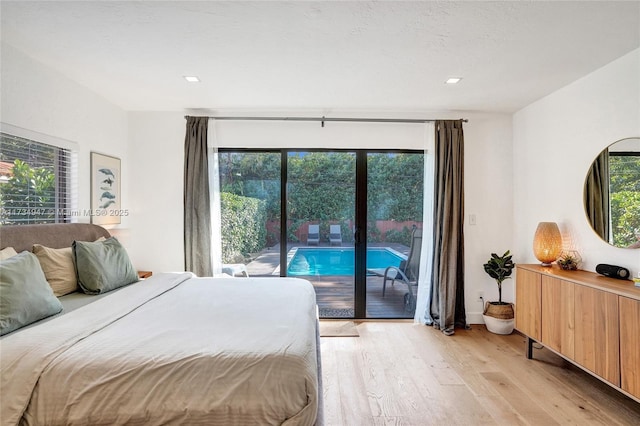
column 35, row 182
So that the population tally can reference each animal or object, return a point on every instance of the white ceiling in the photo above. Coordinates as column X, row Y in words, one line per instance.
column 363, row 55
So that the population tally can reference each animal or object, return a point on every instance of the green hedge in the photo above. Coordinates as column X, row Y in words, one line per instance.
column 243, row 226
column 402, row 237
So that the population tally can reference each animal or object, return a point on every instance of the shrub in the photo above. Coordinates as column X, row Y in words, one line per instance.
column 243, row 226
column 28, row 189
column 373, row 233
column 402, row 237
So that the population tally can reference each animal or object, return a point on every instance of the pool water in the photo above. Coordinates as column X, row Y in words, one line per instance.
column 338, row 261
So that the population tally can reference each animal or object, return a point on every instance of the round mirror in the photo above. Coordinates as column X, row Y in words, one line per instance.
column 612, row 194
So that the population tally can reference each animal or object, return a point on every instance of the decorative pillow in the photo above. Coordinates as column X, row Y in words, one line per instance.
column 25, row 295
column 102, row 266
column 58, row 268
column 6, row 253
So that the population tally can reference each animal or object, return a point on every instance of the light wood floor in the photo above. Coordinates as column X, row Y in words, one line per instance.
column 398, row 373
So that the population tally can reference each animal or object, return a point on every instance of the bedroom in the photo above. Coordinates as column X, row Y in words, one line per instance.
column 52, row 86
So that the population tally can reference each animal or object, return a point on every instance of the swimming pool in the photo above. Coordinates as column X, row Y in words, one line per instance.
column 337, row 261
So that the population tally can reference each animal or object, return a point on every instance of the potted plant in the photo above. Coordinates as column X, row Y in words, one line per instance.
column 499, row 316
column 569, row 260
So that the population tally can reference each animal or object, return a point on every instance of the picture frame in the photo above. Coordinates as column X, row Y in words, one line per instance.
column 106, row 195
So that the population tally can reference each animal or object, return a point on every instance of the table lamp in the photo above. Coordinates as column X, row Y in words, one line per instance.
column 547, row 243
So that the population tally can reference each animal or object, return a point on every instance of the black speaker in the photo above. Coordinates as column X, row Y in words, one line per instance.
column 613, row 271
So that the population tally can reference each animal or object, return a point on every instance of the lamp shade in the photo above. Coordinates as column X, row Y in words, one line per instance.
column 547, row 242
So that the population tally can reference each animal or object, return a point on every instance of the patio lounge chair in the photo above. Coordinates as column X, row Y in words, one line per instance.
column 407, row 272
column 313, row 236
column 335, row 235
column 235, row 269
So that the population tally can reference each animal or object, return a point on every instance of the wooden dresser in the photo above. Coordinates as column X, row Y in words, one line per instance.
column 591, row 320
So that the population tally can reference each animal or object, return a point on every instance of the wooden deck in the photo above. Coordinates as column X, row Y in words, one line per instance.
column 335, row 297
column 335, row 293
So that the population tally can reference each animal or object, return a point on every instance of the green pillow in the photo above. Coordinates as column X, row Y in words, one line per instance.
column 25, row 294
column 102, row 266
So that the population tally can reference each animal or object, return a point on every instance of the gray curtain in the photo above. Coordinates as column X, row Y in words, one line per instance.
column 447, row 281
column 197, row 210
column 596, row 195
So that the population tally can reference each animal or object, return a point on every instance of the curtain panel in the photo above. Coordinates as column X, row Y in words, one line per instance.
column 197, row 212
column 447, row 309
column 423, row 298
column 215, row 208
column 596, row 195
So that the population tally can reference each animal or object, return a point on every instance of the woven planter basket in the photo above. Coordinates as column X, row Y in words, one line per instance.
column 499, row 311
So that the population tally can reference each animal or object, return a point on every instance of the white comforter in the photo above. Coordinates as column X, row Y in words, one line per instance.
column 170, row 350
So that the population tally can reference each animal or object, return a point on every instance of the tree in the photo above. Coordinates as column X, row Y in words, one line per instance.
column 624, row 176
column 624, row 173
column 255, row 175
column 625, row 217
column 36, row 154
column 29, row 195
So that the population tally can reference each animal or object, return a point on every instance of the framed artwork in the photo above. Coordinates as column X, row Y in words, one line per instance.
column 105, row 189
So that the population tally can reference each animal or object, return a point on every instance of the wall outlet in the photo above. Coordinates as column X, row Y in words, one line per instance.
column 480, row 296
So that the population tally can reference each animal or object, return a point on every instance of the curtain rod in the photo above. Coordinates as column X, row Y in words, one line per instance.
column 325, row 119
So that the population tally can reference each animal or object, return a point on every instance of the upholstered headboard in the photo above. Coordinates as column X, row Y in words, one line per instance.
column 59, row 235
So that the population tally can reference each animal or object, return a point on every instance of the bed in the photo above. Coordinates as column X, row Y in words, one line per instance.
column 171, row 349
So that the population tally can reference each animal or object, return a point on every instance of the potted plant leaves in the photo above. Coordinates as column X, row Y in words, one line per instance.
column 569, row 260
column 499, row 316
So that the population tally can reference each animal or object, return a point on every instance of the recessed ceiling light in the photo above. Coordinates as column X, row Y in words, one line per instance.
column 192, row 79
column 453, row 80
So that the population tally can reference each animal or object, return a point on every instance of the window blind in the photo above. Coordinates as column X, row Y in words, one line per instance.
column 35, row 182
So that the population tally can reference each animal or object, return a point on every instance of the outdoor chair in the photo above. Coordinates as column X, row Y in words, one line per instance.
column 407, row 272
column 313, row 235
column 235, row 269
column 335, row 235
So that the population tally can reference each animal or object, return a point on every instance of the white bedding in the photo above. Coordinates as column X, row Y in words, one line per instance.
column 172, row 349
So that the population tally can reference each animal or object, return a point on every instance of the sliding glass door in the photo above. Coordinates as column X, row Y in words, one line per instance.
column 345, row 218
column 320, row 219
column 250, row 201
column 394, row 232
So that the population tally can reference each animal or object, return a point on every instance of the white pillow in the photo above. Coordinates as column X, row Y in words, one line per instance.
column 6, row 253
column 58, row 268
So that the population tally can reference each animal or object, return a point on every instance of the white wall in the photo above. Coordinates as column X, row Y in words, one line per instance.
column 39, row 99
column 555, row 140
column 488, row 196
column 156, row 151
